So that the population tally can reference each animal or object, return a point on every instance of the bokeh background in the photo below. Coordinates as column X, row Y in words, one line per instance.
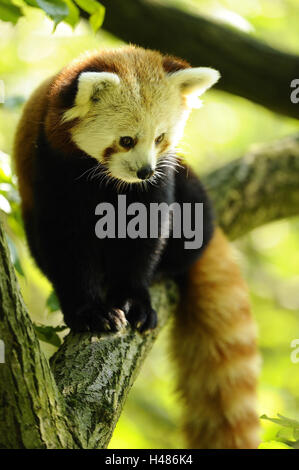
column 223, row 129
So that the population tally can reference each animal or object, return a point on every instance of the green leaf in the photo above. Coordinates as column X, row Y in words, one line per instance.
column 283, row 421
column 291, row 424
column 57, row 10
column 288, row 421
column 14, row 256
column 3, row 176
column 74, row 15
column 284, row 434
column 90, row 6
column 9, row 12
column 18, row 267
column 95, row 9
column 274, row 445
column 96, row 20
column 48, row 334
column 53, row 302
column 31, row 3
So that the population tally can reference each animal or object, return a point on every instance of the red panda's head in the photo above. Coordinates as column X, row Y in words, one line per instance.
column 126, row 107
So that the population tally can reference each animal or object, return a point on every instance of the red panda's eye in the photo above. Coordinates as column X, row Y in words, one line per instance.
column 159, row 139
column 127, row 142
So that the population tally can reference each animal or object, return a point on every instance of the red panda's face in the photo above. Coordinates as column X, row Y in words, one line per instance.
column 128, row 121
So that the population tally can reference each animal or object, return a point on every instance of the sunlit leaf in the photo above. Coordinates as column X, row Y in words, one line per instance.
column 90, row 6
column 290, row 429
column 3, row 176
column 95, row 9
column 5, row 169
column 4, row 205
column 53, row 302
column 10, row 193
column 31, row 3
column 96, row 20
column 288, row 421
column 283, row 421
column 9, row 12
column 18, row 267
column 284, row 434
column 74, row 15
column 274, row 445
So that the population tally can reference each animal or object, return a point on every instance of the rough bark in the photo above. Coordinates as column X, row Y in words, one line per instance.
column 249, row 68
column 93, row 373
column 32, row 415
column 257, row 189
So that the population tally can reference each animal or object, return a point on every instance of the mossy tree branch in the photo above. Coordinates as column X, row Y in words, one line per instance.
column 77, row 401
column 32, row 414
column 257, row 189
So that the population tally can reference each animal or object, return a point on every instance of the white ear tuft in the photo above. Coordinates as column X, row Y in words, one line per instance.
column 90, row 86
column 194, row 81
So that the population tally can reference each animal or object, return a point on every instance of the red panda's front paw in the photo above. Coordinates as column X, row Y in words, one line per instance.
column 142, row 317
column 96, row 318
column 135, row 302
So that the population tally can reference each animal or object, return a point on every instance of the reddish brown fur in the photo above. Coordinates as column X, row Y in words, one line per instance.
column 48, row 104
column 173, row 64
column 108, row 152
column 26, row 141
column 114, row 148
column 214, row 345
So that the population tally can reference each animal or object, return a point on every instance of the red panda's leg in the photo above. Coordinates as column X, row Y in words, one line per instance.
column 214, row 345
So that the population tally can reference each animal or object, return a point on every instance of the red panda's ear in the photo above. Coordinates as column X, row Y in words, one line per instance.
column 174, row 64
column 193, row 82
column 89, row 88
column 90, row 85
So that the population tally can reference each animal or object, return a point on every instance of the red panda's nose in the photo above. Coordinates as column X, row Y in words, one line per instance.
column 145, row 172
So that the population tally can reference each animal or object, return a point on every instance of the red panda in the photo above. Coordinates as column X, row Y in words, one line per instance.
column 108, row 125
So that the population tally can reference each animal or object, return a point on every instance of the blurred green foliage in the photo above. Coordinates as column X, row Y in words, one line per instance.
column 222, row 130
column 288, row 435
column 58, row 10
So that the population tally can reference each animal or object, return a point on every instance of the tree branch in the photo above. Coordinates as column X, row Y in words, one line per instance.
column 32, row 414
column 257, row 189
column 94, row 373
column 249, row 68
